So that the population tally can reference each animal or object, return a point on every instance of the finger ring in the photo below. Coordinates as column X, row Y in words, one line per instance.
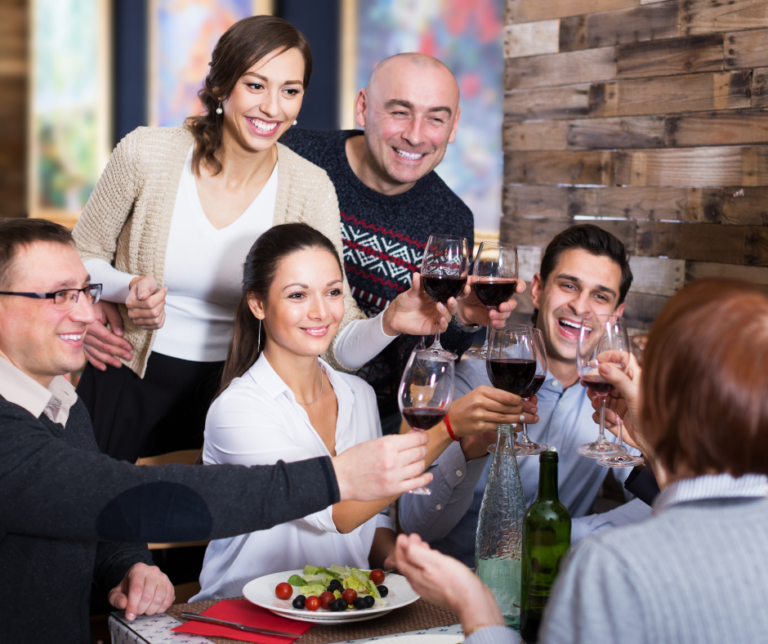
column 522, row 418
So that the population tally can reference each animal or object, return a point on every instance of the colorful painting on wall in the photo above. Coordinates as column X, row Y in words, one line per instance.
column 183, row 34
column 69, row 125
column 467, row 35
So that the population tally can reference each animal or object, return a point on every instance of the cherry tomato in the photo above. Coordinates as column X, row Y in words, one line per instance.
column 284, row 591
column 350, row 594
column 312, row 603
column 325, row 599
column 377, row 576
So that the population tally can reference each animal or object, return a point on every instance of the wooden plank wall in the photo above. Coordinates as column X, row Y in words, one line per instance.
column 648, row 118
column 13, row 107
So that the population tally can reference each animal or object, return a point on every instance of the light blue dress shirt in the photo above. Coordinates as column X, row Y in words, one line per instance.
column 448, row 518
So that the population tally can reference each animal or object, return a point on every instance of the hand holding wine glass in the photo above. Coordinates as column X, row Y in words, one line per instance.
column 426, row 392
column 602, row 340
column 494, row 281
column 444, row 270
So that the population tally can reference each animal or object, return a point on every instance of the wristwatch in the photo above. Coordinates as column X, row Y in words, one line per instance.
column 463, row 327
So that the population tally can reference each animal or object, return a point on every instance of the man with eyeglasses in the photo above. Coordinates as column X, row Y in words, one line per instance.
column 70, row 516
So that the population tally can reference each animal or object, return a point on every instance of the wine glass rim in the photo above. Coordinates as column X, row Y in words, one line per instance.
column 507, row 245
column 448, row 237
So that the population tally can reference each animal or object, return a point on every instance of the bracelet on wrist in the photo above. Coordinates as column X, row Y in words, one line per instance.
column 450, row 429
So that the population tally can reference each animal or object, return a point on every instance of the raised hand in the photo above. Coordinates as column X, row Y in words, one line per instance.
column 103, row 347
column 381, row 468
column 146, row 303
column 414, row 312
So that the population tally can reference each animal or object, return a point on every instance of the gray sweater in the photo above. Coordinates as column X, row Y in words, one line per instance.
column 695, row 573
column 66, row 511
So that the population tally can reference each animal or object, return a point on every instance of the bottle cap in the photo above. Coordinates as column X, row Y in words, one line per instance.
column 549, row 456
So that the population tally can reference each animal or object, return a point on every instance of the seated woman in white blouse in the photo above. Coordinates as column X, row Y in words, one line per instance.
column 279, row 401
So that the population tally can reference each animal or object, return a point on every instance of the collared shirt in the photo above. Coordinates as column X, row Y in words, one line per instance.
column 18, row 388
column 448, row 518
column 711, row 486
column 257, row 421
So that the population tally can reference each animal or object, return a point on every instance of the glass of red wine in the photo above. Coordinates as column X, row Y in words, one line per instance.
column 602, row 339
column 494, row 278
column 511, row 362
column 529, row 447
column 426, row 392
column 444, row 271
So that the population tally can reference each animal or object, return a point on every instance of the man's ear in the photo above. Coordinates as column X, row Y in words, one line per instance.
column 620, row 309
column 455, row 127
column 361, row 104
column 537, row 286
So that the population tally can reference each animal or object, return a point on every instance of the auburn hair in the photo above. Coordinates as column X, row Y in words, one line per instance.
column 242, row 46
column 705, row 380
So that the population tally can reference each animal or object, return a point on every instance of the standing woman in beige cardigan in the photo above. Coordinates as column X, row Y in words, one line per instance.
column 167, row 230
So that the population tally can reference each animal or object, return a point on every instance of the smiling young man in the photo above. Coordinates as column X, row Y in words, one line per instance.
column 584, row 270
column 71, row 516
column 391, row 200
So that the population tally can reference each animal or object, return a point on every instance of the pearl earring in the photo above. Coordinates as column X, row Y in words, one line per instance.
column 296, row 122
column 219, row 110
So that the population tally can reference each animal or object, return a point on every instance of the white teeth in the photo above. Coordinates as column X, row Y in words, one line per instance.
column 569, row 323
column 261, row 125
column 409, row 155
column 71, row 336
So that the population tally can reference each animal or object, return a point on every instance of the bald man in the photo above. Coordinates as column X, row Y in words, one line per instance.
column 391, row 200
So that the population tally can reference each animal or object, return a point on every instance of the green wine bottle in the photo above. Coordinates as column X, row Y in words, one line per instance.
column 546, row 539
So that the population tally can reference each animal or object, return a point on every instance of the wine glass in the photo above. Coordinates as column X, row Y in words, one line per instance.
column 511, row 362
column 495, row 279
column 602, row 339
column 444, row 271
column 530, row 447
column 425, row 392
column 620, row 460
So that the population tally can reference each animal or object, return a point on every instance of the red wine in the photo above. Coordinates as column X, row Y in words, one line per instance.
column 495, row 292
column 443, row 287
column 423, row 417
column 600, row 387
column 535, row 386
column 511, row 374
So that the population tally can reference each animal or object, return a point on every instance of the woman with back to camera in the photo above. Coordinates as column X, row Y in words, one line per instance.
column 695, row 572
column 168, row 226
column 279, row 401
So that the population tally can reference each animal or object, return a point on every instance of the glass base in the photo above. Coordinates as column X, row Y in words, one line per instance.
column 477, row 354
column 621, row 460
column 599, row 448
column 529, row 448
column 423, row 491
column 442, row 353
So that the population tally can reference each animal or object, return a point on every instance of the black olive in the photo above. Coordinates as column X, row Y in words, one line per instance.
column 332, row 606
column 299, row 602
column 360, row 603
column 383, row 590
column 334, row 585
column 369, row 601
column 342, row 603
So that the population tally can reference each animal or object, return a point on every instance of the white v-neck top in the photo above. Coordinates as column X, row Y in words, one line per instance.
column 203, row 272
column 257, row 421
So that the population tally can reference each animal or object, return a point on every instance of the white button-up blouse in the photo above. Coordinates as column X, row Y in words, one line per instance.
column 257, row 421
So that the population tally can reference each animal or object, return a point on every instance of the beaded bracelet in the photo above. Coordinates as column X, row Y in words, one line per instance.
column 450, row 429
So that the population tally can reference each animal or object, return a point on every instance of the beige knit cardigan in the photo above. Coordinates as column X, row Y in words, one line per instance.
column 127, row 219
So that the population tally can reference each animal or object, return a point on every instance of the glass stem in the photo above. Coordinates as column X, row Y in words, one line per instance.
column 436, row 344
column 524, row 438
column 601, row 438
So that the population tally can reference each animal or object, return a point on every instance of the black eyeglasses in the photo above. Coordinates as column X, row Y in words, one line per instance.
column 66, row 298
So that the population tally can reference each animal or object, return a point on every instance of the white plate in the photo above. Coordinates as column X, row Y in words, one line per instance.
column 261, row 592
column 426, row 638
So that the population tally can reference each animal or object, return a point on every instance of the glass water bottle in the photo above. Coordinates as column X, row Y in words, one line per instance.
column 498, row 546
column 546, row 539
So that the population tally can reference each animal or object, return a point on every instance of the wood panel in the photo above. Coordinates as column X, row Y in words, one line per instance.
column 531, row 38
column 700, row 270
column 744, row 49
column 638, row 24
column 527, row 11
column 548, row 103
column 760, row 87
column 656, row 275
column 539, row 232
column 666, row 57
column 717, row 128
column 576, row 168
column 696, row 167
column 535, row 135
column 560, row 69
column 712, row 16
column 746, row 245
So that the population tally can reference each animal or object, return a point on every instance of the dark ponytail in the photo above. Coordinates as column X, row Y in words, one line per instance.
column 258, row 274
column 242, row 46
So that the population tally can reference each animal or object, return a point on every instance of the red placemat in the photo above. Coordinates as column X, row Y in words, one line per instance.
column 415, row 617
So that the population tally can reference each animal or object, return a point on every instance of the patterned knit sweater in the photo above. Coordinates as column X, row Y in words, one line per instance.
column 127, row 219
column 384, row 240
